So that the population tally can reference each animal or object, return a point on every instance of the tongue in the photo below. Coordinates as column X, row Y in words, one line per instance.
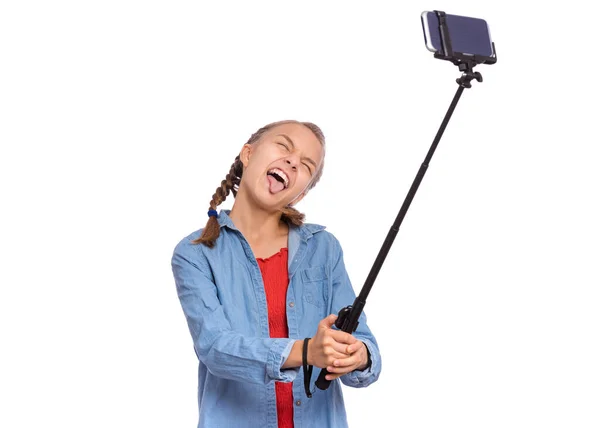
column 275, row 186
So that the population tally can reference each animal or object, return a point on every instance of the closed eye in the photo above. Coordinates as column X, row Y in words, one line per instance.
column 309, row 169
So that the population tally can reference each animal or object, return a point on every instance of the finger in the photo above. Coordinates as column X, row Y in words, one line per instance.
column 338, row 356
column 340, row 370
column 351, row 349
column 344, row 363
column 331, row 357
column 343, row 337
column 333, row 376
column 339, row 349
column 328, row 322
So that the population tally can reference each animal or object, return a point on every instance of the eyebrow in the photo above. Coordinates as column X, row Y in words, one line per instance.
column 294, row 146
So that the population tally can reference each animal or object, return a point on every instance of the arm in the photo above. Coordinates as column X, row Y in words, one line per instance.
column 226, row 353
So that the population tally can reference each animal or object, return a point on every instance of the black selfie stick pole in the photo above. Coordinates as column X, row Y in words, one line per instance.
column 348, row 317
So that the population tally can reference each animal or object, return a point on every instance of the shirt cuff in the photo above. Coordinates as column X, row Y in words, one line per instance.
column 278, row 354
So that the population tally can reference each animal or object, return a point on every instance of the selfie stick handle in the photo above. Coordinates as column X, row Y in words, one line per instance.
column 347, row 320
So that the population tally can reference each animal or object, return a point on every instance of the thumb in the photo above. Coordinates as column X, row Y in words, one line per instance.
column 329, row 321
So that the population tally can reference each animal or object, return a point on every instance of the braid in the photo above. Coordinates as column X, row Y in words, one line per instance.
column 292, row 216
column 231, row 183
column 235, row 175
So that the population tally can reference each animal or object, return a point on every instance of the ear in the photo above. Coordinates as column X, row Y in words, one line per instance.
column 245, row 154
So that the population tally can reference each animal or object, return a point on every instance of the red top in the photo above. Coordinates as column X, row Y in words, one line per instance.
column 275, row 277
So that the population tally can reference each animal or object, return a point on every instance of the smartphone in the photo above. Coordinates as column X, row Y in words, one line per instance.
column 468, row 36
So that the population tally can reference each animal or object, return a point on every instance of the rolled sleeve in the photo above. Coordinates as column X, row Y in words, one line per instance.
column 278, row 354
column 226, row 353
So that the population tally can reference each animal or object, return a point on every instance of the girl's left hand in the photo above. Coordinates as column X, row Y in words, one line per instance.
column 357, row 360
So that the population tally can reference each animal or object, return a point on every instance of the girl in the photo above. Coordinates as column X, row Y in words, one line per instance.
column 260, row 290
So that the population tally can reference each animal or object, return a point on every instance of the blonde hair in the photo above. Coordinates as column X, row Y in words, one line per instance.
column 231, row 183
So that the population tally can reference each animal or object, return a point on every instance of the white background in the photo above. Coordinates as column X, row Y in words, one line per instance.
column 119, row 119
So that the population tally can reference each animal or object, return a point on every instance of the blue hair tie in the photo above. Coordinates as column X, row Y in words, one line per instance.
column 212, row 213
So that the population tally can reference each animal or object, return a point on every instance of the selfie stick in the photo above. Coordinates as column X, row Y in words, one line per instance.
column 347, row 320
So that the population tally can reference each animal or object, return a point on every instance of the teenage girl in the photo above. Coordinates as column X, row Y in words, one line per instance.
column 260, row 290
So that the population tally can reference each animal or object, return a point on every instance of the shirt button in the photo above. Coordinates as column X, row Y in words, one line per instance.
column 291, row 304
column 298, row 402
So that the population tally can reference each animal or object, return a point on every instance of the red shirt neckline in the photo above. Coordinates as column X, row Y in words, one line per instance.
column 280, row 252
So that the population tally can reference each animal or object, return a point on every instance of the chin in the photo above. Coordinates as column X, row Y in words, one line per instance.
column 269, row 202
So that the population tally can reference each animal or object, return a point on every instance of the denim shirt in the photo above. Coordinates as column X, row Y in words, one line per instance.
column 223, row 298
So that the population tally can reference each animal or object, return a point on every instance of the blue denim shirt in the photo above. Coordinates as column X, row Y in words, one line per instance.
column 223, row 298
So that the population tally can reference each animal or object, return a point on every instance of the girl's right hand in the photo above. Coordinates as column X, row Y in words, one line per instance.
column 328, row 345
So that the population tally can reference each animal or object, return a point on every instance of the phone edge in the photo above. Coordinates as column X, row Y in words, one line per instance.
column 425, row 25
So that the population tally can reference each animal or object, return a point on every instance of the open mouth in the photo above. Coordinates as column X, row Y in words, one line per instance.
column 278, row 180
column 280, row 176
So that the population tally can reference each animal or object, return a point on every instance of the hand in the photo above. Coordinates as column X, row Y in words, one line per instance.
column 328, row 344
column 357, row 359
column 338, row 351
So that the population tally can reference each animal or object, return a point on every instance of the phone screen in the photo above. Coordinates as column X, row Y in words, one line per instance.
column 467, row 35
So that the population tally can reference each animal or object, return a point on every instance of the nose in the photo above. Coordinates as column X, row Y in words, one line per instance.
column 291, row 162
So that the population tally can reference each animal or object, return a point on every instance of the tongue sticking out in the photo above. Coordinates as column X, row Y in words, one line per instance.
column 275, row 186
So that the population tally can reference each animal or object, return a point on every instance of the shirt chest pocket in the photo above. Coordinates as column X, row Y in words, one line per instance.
column 315, row 286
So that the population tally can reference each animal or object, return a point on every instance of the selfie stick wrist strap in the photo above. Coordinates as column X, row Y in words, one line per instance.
column 306, row 369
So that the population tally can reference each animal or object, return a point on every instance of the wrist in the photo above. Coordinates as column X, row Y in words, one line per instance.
column 309, row 357
column 366, row 359
column 295, row 357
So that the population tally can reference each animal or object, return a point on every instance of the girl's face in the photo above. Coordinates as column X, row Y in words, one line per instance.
column 279, row 168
